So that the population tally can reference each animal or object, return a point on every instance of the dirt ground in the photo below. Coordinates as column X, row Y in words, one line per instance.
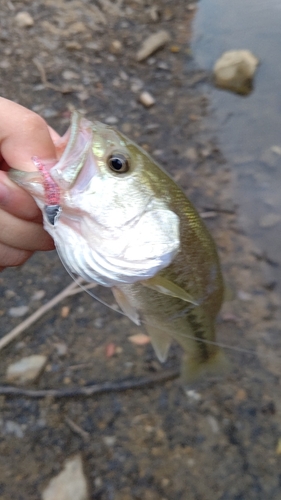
column 218, row 441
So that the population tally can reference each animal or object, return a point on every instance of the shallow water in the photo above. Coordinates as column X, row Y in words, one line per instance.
column 248, row 128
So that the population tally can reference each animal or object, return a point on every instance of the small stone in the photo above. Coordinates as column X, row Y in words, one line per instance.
column 241, row 395
column 109, row 440
column 154, row 13
column 139, row 339
column 24, row 20
column 174, row 49
column 26, row 370
column 116, row 47
column 70, row 484
column 61, row 348
column 5, row 64
column 9, row 294
column 65, row 311
column 235, row 70
column 13, row 428
column 269, row 220
column 73, row 45
column 146, row 99
column 193, row 395
column 70, row 75
column 136, row 84
column 98, row 323
column 213, row 424
column 111, row 120
column 39, row 295
column 151, row 44
column 18, row 312
column 191, row 154
column 75, row 28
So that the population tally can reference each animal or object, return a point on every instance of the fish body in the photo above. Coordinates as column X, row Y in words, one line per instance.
column 121, row 221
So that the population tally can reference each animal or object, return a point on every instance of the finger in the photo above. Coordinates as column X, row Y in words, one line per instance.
column 23, row 134
column 12, row 256
column 16, row 201
column 25, row 235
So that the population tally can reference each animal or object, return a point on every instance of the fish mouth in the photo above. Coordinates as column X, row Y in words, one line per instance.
column 77, row 165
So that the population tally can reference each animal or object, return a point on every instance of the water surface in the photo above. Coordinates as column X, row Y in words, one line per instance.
column 248, row 128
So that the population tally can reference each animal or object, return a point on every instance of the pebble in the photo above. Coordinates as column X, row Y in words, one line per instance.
column 139, row 339
column 24, row 20
column 9, row 294
column 193, row 395
column 18, row 312
column 70, row 484
column 269, row 220
column 98, row 323
column 213, row 423
column 26, row 370
column 146, row 99
column 12, row 428
column 61, row 349
column 136, row 84
column 111, row 120
column 191, row 154
column 152, row 43
column 109, row 440
column 70, row 75
column 116, row 47
column 65, row 310
column 73, row 45
column 235, row 70
column 39, row 295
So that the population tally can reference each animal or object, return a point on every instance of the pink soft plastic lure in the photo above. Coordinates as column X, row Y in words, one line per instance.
column 52, row 192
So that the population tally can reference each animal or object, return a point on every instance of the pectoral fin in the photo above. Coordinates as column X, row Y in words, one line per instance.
column 167, row 287
column 160, row 341
column 124, row 304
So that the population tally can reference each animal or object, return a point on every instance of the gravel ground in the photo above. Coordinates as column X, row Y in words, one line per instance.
column 219, row 440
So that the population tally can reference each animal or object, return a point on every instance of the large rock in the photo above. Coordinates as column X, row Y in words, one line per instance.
column 70, row 484
column 235, row 70
column 26, row 370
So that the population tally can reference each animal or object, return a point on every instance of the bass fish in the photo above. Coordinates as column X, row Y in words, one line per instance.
column 119, row 220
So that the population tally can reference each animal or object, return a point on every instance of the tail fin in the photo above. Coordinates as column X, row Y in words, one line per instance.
column 194, row 369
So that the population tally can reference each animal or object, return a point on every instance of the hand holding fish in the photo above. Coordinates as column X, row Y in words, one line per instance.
column 22, row 134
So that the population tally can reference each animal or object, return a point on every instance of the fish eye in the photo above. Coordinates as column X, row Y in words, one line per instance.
column 118, row 163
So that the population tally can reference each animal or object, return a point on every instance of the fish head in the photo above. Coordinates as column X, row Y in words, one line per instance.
column 113, row 224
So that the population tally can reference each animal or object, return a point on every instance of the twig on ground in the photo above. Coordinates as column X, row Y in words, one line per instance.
column 91, row 390
column 64, row 89
column 77, row 429
column 71, row 289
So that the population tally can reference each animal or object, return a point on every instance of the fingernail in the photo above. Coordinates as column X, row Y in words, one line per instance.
column 4, row 195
